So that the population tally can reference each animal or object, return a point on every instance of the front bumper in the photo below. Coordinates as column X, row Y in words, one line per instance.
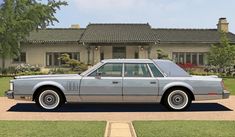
column 9, row 94
column 225, row 94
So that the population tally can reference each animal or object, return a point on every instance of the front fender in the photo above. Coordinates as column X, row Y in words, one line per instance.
column 174, row 84
column 48, row 83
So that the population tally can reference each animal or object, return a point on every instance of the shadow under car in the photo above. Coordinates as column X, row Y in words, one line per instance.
column 100, row 107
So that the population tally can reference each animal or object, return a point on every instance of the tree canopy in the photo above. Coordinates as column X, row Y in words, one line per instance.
column 223, row 54
column 20, row 17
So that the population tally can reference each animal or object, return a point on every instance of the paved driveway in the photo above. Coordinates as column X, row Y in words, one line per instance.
column 204, row 110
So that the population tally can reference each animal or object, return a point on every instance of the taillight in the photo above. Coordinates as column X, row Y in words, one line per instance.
column 222, row 84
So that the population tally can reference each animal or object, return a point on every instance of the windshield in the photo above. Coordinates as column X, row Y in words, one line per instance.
column 171, row 69
column 91, row 68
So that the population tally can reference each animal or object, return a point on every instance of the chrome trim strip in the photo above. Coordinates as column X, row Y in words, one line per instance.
column 23, row 97
column 118, row 95
column 207, row 97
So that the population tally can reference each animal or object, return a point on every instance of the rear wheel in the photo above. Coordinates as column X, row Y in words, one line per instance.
column 177, row 100
column 49, row 99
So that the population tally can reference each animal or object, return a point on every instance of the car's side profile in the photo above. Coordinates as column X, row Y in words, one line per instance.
column 122, row 81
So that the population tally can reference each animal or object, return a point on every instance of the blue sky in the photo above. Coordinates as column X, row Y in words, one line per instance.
column 158, row 13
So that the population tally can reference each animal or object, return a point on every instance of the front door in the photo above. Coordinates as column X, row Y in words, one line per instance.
column 119, row 52
column 138, row 84
column 103, row 85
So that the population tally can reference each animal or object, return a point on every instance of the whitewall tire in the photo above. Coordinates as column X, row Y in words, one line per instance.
column 49, row 99
column 177, row 100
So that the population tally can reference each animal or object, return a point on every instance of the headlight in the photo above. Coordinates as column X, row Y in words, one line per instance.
column 11, row 86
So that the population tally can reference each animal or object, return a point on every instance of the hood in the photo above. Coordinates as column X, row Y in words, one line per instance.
column 46, row 76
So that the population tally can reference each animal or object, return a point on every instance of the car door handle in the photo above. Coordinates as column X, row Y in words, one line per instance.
column 152, row 82
column 115, row 82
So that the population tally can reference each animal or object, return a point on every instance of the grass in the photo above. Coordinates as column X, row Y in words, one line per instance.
column 230, row 85
column 184, row 128
column 51, row 129
column 4, row 84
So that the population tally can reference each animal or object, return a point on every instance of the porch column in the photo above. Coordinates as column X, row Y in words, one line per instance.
column 88, row 55
column 96, row 54
column 142, row 52
column 149, row 51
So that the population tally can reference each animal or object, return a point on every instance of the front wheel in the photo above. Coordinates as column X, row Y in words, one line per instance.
column 49, row 99
column 177, row 100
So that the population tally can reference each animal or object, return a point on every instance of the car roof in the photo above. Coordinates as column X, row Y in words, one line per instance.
column 127, row 61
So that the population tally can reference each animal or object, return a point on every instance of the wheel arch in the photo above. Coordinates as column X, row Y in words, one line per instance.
column 185, row 88
column 39, row 88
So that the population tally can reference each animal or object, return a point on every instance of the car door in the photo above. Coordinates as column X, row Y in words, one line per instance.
column 139, row 85
column 103, row 85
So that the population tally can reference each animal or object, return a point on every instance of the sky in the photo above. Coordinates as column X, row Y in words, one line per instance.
column 158, row 13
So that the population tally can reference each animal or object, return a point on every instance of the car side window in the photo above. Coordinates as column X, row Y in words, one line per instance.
column 136, row 70
column 155, row 70
column 109, row 70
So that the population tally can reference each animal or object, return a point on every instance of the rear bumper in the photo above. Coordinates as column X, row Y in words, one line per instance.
column 226, row 94
column 9, row 94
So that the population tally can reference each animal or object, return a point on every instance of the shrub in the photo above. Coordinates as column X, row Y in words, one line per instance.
column 57, row 71
column 74, row 64
column 27, row 68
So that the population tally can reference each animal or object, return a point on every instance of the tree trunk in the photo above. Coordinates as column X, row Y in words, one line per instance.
column 3, row 63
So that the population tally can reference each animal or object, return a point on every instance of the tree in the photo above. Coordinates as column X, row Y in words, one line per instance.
column 73, row 63
column 223, row 54
column 20, row 17
column 161, row 54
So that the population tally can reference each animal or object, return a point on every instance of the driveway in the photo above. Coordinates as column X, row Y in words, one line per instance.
column 203, row 110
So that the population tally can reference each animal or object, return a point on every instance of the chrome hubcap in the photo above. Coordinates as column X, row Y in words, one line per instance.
column 49, row 99
column 178, row 99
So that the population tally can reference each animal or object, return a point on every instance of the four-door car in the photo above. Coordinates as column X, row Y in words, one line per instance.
column 120, row 81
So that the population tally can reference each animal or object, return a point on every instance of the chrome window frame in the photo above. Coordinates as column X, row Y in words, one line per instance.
column 150, row 72
column 87, row 75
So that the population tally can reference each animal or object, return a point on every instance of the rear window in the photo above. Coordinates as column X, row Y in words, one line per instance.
column 155, row 71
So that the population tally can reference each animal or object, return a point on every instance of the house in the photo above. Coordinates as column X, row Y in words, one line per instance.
column 105, row 41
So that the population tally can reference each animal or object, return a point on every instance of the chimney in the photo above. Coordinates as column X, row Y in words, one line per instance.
column 75, row 26
column 222, row 25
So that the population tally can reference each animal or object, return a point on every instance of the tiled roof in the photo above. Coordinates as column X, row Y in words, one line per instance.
column 126, row 33
column 56, row 35
column 118, row 33
column 190, row 35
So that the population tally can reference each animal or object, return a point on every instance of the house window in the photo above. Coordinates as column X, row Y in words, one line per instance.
column 136, row 55
column 188, row 57
column 195, row 58
column 21, row 58
column 201, row 59
column 175, row 57
column 101, row 56
column 52, row 58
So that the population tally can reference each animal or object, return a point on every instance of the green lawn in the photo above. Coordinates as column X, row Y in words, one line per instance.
column 184, row 128
column 4, row 84
column 51, row 129
column 230, row 85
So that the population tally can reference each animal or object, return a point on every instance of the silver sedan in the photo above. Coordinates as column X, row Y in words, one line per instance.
column 122, row 81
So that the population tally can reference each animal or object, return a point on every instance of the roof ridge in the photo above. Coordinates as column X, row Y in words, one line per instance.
column 118, row 24
column 184, row 29
column 63, row 29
